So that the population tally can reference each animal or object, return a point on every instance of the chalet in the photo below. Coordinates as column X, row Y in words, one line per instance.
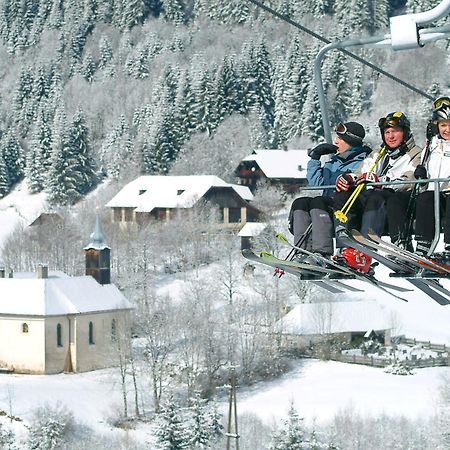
column 249, row 231
column 309, row 323
column 47, row 219
column 51, row 322
column 283, row 167
column 158, row 198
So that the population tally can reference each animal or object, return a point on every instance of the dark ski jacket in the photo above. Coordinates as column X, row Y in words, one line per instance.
column 339, row 163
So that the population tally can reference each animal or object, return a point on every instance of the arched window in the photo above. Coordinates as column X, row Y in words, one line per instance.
column 59, row 335
column 113, row 330
column 24, row 328
column 91, row 333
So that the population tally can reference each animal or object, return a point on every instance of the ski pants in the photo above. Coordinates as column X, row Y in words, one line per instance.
column 398, row 208
column 368, row 211
column 425, row 222
column 314, row 211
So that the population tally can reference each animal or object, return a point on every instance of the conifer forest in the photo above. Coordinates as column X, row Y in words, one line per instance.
column 97, row 92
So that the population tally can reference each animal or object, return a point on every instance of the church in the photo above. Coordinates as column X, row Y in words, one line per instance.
column 51, row 322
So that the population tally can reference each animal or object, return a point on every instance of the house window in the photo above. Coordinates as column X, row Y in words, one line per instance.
column 113, row 330
column 234, row 215
column 91, row 333
column 142, row 191
column 180, row 191
column 59, row 335
column 24, row 328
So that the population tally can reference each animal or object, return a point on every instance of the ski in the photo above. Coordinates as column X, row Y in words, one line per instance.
column 351, row 272
column 418, row 260
column 319, row 276
column 302, row 269
column 399, row 268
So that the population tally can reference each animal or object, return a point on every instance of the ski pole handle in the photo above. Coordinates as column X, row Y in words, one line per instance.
column 341, row 214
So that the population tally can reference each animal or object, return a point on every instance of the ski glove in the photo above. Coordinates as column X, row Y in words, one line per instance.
column 345, row 181
column 322, row 149
column 368, row 177
column 420, row 173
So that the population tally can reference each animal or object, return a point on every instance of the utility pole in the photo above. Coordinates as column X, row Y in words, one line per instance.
column 232, row 410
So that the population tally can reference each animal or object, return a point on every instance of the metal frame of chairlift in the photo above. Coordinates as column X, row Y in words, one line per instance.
column 406, row 32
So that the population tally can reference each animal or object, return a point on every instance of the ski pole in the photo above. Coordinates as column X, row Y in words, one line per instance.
column 301, row 240
column 341, row 214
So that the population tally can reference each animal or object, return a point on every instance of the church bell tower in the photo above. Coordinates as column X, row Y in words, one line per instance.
column 98, row 256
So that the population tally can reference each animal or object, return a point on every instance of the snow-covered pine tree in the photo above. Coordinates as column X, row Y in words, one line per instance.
column 175, row 11
column 106, row 52
column 170, row 432
column 357, row 97
column 228, row 87
column 88, row 67
column 78, row 134
column 199, row 424
column 4, row 179
column 291, row 435
column 13, row 156
column 248, row 77
column 263, row 81
column 38, row 156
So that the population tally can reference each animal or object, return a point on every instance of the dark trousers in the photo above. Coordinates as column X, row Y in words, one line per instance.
column 425, row 223
column 399, row 209
column 368, row 211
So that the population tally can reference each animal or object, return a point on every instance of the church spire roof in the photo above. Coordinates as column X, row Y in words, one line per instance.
column 97, row 236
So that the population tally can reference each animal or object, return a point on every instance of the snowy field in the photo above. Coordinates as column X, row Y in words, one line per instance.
column 318, row 389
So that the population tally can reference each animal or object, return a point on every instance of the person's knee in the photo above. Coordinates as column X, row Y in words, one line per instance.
column 301, row 203
column 318, row 203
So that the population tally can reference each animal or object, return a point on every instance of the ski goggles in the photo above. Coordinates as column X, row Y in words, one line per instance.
column 441, row 101
column 340, row 128
column 396, row 119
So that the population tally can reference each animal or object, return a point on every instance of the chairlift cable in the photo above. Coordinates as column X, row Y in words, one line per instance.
column 346, row 52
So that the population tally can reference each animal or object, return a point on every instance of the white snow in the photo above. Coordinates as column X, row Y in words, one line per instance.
column 281, row 163
column 319, row 389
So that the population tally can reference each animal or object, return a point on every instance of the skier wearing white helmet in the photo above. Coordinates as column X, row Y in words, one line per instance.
column 435, row 164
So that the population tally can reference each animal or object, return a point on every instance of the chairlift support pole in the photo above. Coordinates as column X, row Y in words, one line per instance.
column 405, row 34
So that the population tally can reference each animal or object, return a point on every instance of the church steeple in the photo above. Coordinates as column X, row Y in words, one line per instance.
column 98, row 255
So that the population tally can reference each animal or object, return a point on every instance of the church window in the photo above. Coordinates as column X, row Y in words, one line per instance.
column 113, row 330
column 24, row 328
column 59, row 335
column 91, row 333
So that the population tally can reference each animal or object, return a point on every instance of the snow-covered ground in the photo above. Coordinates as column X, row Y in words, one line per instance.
column 318, row 389
column 19, row 207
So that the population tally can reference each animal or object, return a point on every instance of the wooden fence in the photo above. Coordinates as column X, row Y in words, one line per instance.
column 384, row 362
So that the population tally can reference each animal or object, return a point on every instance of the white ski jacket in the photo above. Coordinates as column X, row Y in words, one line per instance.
column 438, row 163
column 390, row 169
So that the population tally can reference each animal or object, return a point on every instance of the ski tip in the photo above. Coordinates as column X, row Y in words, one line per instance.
column 281, row 236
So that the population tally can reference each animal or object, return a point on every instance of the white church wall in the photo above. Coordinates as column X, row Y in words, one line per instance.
column 23, row 344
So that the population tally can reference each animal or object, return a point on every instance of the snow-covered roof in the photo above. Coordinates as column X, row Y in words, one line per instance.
column 281, row 163
column 335, row 317
column 154, row 191
column 251, row 229
column 59, row 294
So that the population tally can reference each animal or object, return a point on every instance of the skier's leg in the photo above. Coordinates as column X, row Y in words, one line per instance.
column 374, row 215
column 301, row 219
column 322, row 226
column 397, row 216
column 446, row 219
column 424, row 231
